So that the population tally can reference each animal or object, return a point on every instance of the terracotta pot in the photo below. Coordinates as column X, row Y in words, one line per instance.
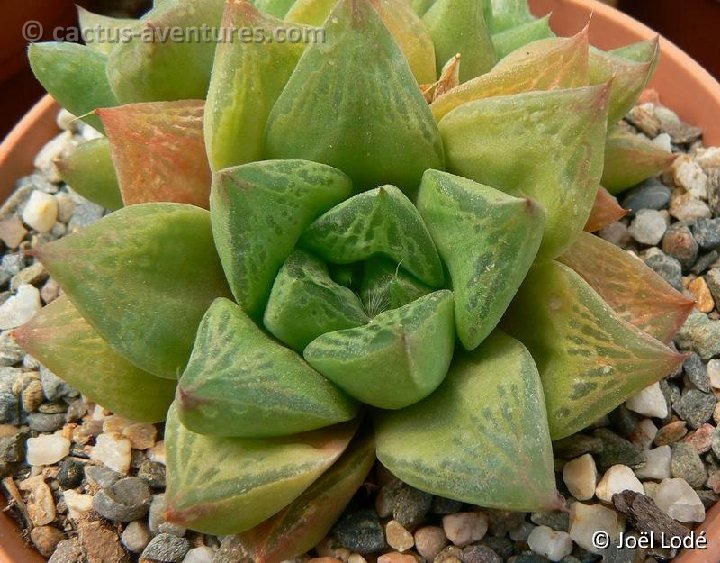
column 683, row 85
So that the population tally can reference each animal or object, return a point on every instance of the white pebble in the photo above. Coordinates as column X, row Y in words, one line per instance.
column 588, row 519
column 201, row 554
column 549, row 543
column 136, row 536
column 663, row 141
column 713, row 371
column 650, row 402
column 679, row 500
column 684, row 207
column 657, row 464
column 55, row 149
column 617, row 479
column 41, row 211
column 649, row 226
column 77, row 503
column 465, row 528
column 580, row 476
column 20, row 308
column 113, row 451
column 47, row 449
column 690, row 176
column 157, row 452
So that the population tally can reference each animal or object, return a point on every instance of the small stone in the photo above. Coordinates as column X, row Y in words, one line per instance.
column 50, row 291
column 686, row 208
column 649, row 226
column 429, row 541
column 20, row 308
column 47, row 449
column 708, row 498
column 156, row 518
column 712, row 278
column 549, row 543
column 10, row 352
column 502, row 521
column 650, row 194
column 410, row 506
column 330, row 547
column 657, row 464
column 153, row 473
column 696, row 372
column 71, row 473
column 679, row 243
column 67, row 551
column 678, row 499
column 32, row 396
column 142, row 435
column 557, row 520
column 644, row 434
column 442, row 505
column 707, row 233
column 32, row 275
column 643, row 117
column 101, row 476
column 695, row 407
column 617, row 479
column 616, row 233
column 395, row 557
column 450, row 554
column 480, row 554
column 668, row 268
column 41, row 422
column 646, row 516
column 686, row 464
column 354, row 558
column 713, row 373
column 157, row 452
column 77, row 503
column 705, row 260
column 522, row 532
column 100, row 542
column 113, row 451
column 588, row 519
column 704, row 301
column 671, row 432
column 53, row 387
column 465, row 528
column 125, row 500
column 701, row 439
column 166, row 548
column 664, row 141
column 398, row 537
column 66, row 207
column 40, row 503
column 360, row 531
column 616, row 451
column 135, row 537
column 689, row 175
column 40, row 211
column 84, row 215
column 202, row 554
column 580, row 476
column 649, row 401
column 45, row 539
column 12, row 232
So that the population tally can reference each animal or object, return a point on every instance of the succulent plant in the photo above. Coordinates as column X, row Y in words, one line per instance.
column 393, row 263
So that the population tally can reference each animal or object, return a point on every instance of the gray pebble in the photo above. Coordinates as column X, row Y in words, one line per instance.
column 708, row 498
column 707, row 233
column 125, row 500
column 615, row 554
column 166, row 548
column 360, row 531
column 695, row 407
column 42, row 422
column 576, row 445
column 530, row 557
column 71, row 473
column 617, row 451
column 84, row 215
column 716, row 443
column 101, row 476
column 153, row 472
column 442, row 505
column 623, row 421
column 686, row 464
column 650, row 194
column 502, row 546
column 502, row 522
column 713, row 281
column 410, row 505
column 480, row 554
column 32, row 275
column 701, row 334
column 679, row 243
column 668, row 268
column 9, row 408
column 558, row 521
column 54, row 388
column 704, row 261
column 67, row 551
column 696, row 372
column 10, row 352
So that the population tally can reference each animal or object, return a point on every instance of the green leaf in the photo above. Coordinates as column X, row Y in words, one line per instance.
column 505, row 42
column 310, row 12
column 283, row 197
column 421, row 6
column 67, row 345
column 630, row 159
column 143, row 277
column 509, row 13
column 398, row 358
column 547, row 146
column 89, row 170
column 634, row 291
column 228, row 485
column 302, row 525
column 75, row 76
column 159, row 152
column 590, row 360
column 640, row 51
column 101, row 33
column 305, row 303
column 276, row 8
column 481, row 438
column 170, row 54
column 247, row 79
column 383, row 222
column 386, row 285
column 488, row 241
column 240, row 382
column 371, row 122
column 627, row 77
column 458, row 26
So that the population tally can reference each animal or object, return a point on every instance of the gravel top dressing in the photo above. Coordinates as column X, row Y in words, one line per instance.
column 86, row 485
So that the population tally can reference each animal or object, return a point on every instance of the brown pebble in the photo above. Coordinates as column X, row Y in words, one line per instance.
column 397, row 557
column 646, row 516
column 429, row 541
column 12, row 232
column 40, row 502
column 101, row 543
column 32, row 396
column 45, row 539
column 704, row 301
column 701, row 439
column 671, row 432
column 398, row 537
column 450, row 554
column 67, row 551
column 330, row 547
column 325, row 560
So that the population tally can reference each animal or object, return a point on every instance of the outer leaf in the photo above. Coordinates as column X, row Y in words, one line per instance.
column 505, row 142
column 75, row 76
column 247, row 79
column 283, row 198
column 382, row 221
column 630, row 159
column 143, row 277
column 516, row 37
column 64, row 342
column 240, row 382
column 398, row 358
column 482, row 437
column 509, row 13
column 156, row 65
column 640, row 52
column 158, row 151
column 310, row 12
column 300, row 526
column 636, row 293
column 606, row 210
column 589, row 359
column 458, row 26
column 101, row 33
column 305, row 303
column 381, row 129
column 488, row 241
column 228, row 485
column 628, row 78
column 421, row 6
column 89, row 170
column 542, row 65
column 385, row 285
column 276, row 8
